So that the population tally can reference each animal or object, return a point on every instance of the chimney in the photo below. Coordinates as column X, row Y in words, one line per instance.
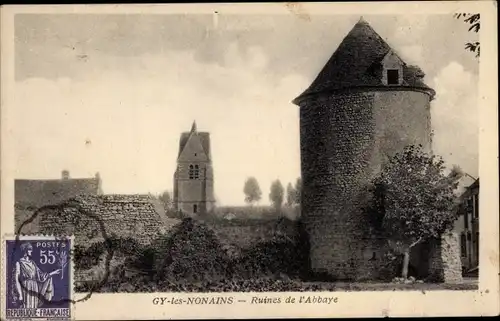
column 65, row 174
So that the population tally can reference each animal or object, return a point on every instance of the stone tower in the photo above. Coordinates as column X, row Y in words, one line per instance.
column 365, row 105
column 193, row 179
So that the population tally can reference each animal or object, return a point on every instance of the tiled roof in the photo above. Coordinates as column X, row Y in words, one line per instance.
column 355, row 64
column 46, row 192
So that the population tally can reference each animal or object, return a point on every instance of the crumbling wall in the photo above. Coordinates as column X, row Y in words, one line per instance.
column 444, row 261
column 247, row 233
column 124, row 216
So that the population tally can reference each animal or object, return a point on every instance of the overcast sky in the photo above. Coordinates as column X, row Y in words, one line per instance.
column 112, row 93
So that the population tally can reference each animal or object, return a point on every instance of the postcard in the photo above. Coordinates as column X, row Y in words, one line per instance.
column 249, row 160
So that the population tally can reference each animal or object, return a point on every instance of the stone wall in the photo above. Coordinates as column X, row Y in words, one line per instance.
column 444, row 261
column 345, row 138
column 247, row 233
column 92, row 218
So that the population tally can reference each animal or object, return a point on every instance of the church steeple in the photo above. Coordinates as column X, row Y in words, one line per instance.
column 193, row 179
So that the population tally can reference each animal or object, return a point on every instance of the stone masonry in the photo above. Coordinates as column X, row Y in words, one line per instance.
column 445, row 263
column 92, row 218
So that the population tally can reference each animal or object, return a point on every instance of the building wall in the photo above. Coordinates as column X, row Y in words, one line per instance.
column 467, row 228
column 194, row 191
column 345, row 138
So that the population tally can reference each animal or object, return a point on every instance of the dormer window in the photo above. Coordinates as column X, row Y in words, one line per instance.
column 392, row 69
column 393, row 76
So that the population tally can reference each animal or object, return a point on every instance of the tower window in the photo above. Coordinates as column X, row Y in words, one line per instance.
column 196, row 172
column 392, row 76
column 191, row 172
column 195, row 208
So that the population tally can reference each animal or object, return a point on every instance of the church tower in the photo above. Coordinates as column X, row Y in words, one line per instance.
column 193, row 179
column 363, row 107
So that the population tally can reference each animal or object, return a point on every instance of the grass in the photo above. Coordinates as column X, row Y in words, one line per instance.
column 373, row 286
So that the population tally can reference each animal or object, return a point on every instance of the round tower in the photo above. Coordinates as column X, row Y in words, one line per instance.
column 364, row 106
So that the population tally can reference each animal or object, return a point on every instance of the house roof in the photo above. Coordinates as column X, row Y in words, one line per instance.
column 36, row 193
column 470, row 190
column 203, row 136
column 354, row 65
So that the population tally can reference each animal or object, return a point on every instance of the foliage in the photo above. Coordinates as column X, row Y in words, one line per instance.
column 263, row 284
column 276, row 194
column 291, row 195
column 413, row 199
column 252, row 190
column 298, row 190
column 86, row 258
column 193, row 253
column 166, row 200
column 474, row 20
column 280, row 255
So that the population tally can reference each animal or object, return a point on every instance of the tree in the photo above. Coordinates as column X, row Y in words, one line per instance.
column 298, row 191
column 291, row 195
column 166, row 199
column 252, row 191
column 277, row 194
column 414, row 200
column 475, row 23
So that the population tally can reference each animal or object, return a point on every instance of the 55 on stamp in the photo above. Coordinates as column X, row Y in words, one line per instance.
column 38, row 277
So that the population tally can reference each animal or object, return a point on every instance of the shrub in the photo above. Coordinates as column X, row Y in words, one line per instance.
column 191, row 253
column 280, row 255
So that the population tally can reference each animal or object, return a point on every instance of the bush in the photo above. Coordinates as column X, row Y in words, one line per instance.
column 85, row 258
column 280, row 255
column 191, row 253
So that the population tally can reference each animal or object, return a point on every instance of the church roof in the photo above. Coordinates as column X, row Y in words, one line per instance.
column 204, row 139
column 354, row 63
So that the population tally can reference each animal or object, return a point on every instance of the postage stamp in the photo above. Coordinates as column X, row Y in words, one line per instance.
column 38, row 277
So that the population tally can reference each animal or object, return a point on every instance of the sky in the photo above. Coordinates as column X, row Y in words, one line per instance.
column 112, row 93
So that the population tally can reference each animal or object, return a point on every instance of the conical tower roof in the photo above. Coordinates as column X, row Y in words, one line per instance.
column 354, row 64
